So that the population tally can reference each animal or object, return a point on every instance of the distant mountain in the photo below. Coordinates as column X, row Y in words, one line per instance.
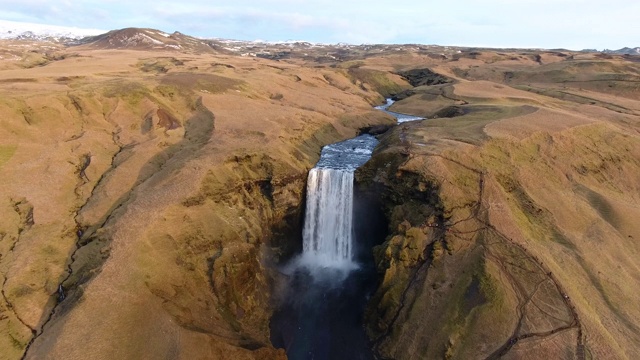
column 147, row 39
column 128, row 38
column 624, row 51
column 40, row 32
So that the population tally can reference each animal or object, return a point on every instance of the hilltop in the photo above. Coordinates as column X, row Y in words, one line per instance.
column 146, row 39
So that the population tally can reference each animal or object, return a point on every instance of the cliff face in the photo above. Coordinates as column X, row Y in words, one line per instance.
column 512, row 231
column 453, row 285
column 485, row 260
column 145, row 200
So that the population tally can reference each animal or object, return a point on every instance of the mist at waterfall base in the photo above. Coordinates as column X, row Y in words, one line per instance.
column 321, row 311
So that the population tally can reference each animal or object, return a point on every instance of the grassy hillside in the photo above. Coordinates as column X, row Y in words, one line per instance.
column 146, row 193
column 524, row 202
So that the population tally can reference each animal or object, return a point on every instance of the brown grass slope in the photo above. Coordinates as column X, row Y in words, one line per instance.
column 144, row 195
column 513, row 224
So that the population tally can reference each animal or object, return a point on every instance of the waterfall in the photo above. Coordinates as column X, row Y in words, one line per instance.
column 327, row 284
column 328, row 230
column 327, row 236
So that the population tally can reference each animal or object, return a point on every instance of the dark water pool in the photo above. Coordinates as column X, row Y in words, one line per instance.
column 320, row 315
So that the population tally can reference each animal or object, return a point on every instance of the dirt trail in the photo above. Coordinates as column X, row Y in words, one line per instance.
column 525, row 297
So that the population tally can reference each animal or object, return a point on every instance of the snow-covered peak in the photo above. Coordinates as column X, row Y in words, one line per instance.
column 22, row 30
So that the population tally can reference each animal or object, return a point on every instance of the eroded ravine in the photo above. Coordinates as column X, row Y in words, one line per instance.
column 320, row 312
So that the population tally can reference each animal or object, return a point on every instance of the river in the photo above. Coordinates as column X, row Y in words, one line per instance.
column 321, row 311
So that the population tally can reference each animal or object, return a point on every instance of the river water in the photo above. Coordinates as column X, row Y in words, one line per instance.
column 400, row 117
column 321, row 311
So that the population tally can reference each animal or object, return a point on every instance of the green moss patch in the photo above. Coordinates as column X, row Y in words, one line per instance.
column 159, row 65
column 6, row 153
column 210, row 83
column 378, row 80
column 130, row 92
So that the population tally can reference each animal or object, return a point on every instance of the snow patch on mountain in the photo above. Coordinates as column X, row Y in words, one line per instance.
column 23, row 30
column 624, row 51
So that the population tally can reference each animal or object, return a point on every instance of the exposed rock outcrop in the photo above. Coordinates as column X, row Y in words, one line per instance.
column 420, row 77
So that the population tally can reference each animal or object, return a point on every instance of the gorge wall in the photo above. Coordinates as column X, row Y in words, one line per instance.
column 511, row 220
column 142, row 213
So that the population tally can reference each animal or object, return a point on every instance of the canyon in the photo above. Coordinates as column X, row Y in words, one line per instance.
column 153, row 187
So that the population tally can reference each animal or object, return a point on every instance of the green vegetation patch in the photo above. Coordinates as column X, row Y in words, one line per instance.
column 366, row 119
column 130, row 92
column 534, row 220
column 34, row 59
column 6, row 153
column 159, row 65
column 21, row 290
column 460, row 314
column 168, row 91
column 469, row 128
column 576, row 98
column 210, row 83
column 601, row 204
column 378, row 80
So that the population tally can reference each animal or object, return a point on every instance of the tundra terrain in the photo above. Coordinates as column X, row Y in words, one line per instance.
column 151, row 184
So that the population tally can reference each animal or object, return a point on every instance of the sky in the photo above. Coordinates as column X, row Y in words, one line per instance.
column 569, row 24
